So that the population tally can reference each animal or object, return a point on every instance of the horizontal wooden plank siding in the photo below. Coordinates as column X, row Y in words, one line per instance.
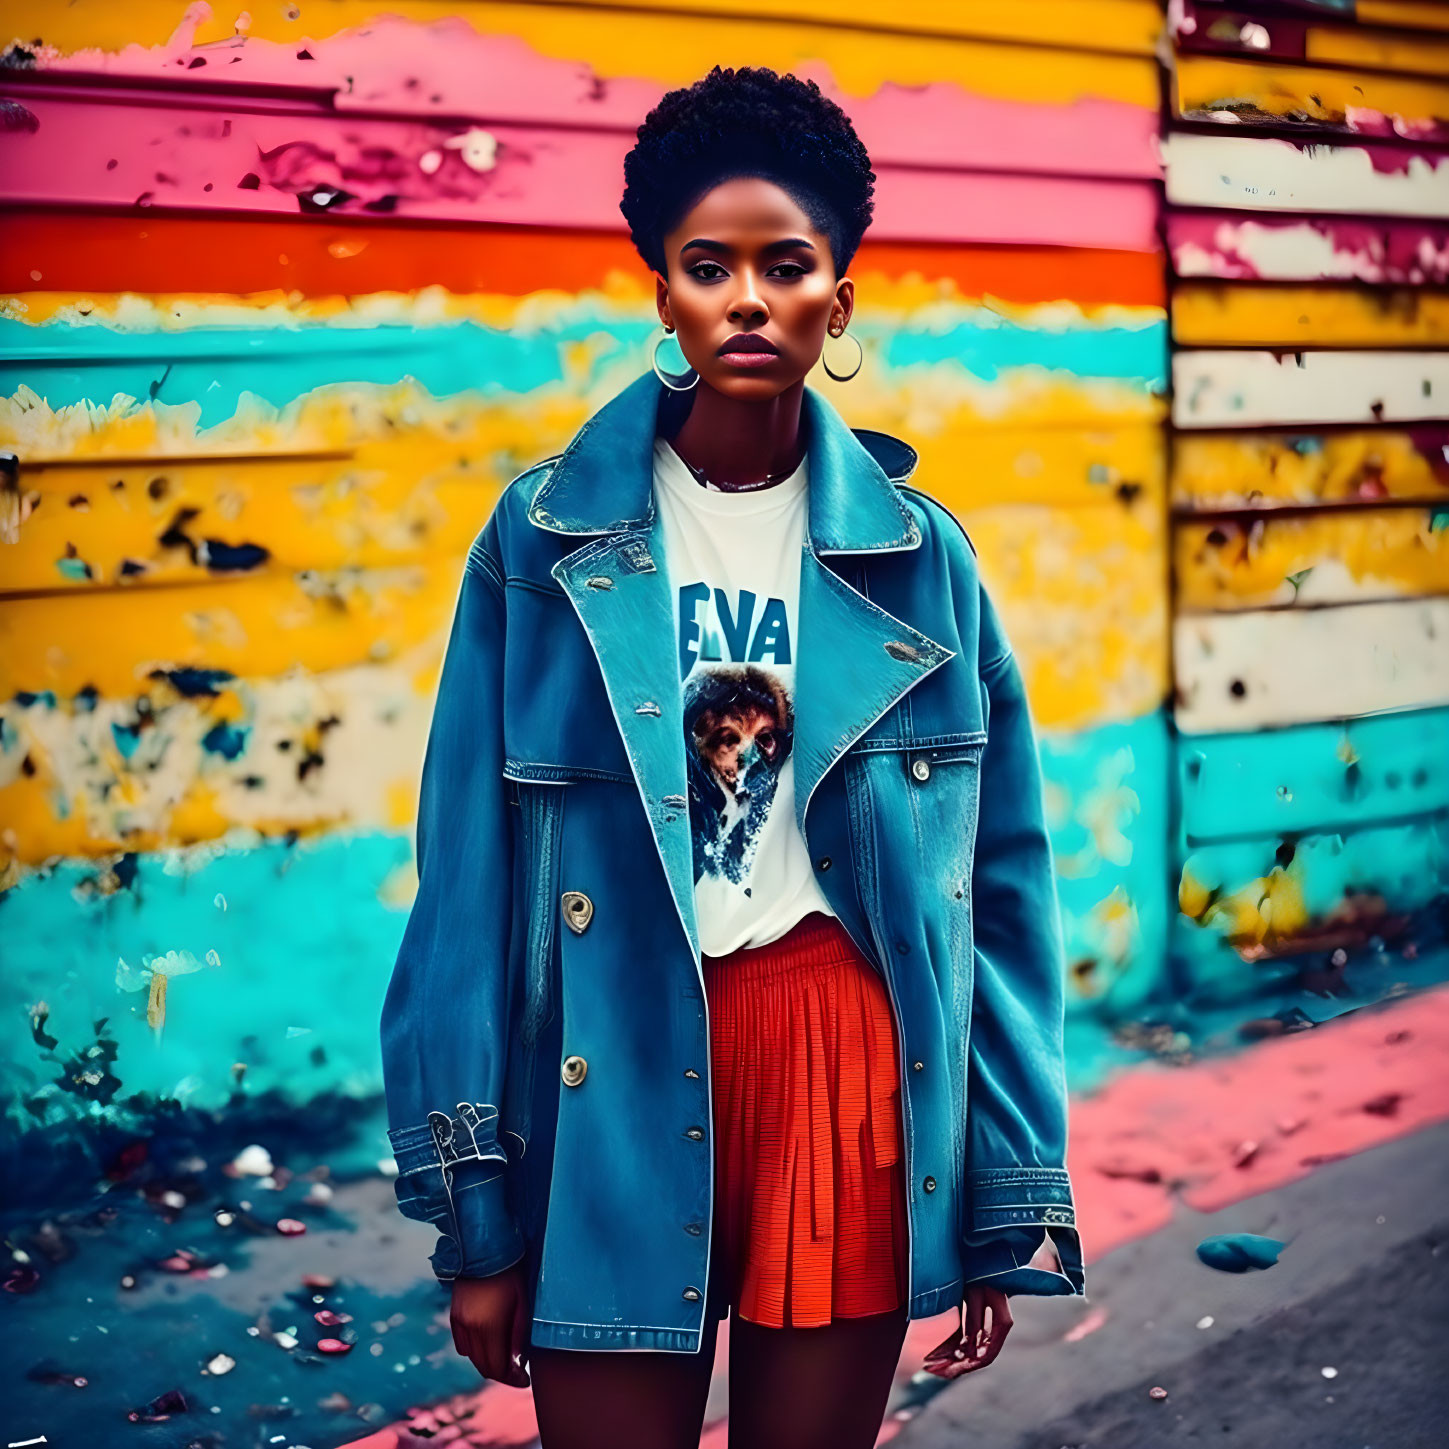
column 1210, row 314
column 1348, row 468
column 1260, row 669
column 1260, row 173
column 1247, row 389
column 1311, row 559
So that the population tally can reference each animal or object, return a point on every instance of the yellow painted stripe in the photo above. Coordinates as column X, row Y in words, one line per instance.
column 1379, row 553
column 1377, row 50
column 1083, row 596
column 674, row 48
column 1230, row 470
column 913, row 300
column 1131, row 26
column 1209, row 83
column 412, row 498
column 1415, row 14
column 253, row 627
column 970, row 467
column 416, row 494
column 1211, row 314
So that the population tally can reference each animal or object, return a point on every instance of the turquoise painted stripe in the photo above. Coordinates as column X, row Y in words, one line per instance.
column 214, row 367
column 305, row 946
column 305, row 943
column 990, row 347
column 1108, row 814
column 1404, row 863
column 1302, row 778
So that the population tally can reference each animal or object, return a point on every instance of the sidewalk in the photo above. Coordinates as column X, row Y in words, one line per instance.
column 1362, row 1288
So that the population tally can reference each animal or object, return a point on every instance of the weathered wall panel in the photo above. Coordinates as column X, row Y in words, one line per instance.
column 1308, row 484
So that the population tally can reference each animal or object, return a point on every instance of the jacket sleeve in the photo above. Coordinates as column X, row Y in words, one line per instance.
column 446, row 1013
column 1017, row 1186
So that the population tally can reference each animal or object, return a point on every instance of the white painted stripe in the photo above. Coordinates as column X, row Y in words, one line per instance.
column 1215, row 388
column 1261, row 174
column 1289, row 666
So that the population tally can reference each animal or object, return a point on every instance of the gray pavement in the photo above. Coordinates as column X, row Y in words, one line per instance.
column 1362, row 1288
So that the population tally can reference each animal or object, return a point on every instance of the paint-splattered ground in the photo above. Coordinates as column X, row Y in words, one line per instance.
column 249, row 1291
column 1339, row 1346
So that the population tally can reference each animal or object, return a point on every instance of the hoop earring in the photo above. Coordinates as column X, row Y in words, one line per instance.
column 859, row 358
column 674, row 381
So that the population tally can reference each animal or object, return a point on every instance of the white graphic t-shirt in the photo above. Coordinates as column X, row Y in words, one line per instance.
column 734, row 568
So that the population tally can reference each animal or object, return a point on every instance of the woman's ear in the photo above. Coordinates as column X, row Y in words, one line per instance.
column 661, row 300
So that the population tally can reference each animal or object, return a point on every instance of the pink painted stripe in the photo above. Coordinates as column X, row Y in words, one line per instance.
column 122, row 149
column 1230, row 245
column 1283, row 1107
column 397, row 67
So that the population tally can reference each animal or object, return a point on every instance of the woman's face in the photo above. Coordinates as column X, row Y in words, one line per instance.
column 747, row 260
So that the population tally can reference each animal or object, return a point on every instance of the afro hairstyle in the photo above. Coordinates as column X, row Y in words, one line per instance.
column 747, row 122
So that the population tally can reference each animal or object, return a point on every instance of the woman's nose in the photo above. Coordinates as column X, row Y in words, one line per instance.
column 748, row 303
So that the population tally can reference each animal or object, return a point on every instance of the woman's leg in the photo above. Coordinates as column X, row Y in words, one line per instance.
column 622, row 1398
column 812, row 1388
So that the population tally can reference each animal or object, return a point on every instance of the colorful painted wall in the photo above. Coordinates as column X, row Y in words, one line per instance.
column 290, row 297
column 288, row 294
column 1307, row 219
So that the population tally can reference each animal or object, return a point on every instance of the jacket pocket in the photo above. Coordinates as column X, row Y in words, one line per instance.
column 540, row 836
column 914, row 803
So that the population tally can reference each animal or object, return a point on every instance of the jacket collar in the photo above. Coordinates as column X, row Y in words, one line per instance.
column 603, row 480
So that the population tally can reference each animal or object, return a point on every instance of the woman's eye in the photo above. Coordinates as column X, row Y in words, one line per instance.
column 798, row 271
column 696, row 272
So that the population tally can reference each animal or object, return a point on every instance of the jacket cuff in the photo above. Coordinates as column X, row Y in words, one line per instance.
column 451, row 1175
column 488, row 1238
column 1011, row 1210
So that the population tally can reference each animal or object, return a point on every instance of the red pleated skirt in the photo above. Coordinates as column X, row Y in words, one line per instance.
column 810, row 1187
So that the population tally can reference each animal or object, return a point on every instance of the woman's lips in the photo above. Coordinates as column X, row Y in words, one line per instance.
column 749, row 359
column 748, row 349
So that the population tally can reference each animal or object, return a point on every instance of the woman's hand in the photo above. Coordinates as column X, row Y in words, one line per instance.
column 491, row 1319
column 974, row 1344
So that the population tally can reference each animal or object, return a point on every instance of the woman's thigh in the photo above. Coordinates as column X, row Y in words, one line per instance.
column 622, row 1398
column 812, row 1388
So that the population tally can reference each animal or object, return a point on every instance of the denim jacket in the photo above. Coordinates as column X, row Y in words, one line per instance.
column 545, row 1033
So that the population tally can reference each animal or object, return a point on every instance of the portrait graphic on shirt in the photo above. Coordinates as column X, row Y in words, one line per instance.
column 739, row 722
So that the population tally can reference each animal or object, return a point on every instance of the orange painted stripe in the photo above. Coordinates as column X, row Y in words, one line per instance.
column 61, row 251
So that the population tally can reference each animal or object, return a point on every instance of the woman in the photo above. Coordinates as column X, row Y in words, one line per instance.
column 731, row 823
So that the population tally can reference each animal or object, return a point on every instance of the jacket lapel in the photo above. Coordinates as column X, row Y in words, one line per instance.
column 858, row 661
column 620, row 590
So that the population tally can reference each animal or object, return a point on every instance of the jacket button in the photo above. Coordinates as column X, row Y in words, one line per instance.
column 578, row 911
column 690, row 1072
column 574, row 1071
column 917, row 1066
column 694, row 1229
column 697, row 1133
column 929, row 1184
column 823, row 863
column 921, row 769
column 691, row 1295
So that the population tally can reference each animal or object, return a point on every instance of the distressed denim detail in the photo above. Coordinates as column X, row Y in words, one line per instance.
column 1009, row 1208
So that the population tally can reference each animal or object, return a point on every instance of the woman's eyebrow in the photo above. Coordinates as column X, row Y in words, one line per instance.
column 785, row 244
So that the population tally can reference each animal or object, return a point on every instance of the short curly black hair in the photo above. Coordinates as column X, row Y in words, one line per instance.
column 751, row 121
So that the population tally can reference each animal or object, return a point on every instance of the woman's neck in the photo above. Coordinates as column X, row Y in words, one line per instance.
column 738, row 443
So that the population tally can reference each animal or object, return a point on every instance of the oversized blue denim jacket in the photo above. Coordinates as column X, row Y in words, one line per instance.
column 545, row 1033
